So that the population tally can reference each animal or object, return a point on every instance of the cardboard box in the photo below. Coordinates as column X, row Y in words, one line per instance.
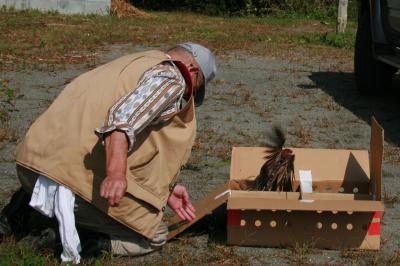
column 341, row 211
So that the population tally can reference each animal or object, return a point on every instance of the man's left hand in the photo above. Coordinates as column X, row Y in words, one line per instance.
column 179, row 201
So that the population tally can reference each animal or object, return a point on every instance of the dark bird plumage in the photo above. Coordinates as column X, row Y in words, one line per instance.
column 277, row 173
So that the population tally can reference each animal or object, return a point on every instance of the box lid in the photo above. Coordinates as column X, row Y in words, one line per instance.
column 376, row 153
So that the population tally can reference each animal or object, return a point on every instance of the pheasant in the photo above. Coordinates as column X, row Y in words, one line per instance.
column 277, row 173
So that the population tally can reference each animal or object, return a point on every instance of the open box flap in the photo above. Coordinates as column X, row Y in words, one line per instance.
column 204, row 206
column 376, row 153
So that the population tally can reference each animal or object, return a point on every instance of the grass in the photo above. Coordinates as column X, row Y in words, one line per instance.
column 7, row 97
column 301, row 132
column 13, row 254
column 33, row 38
column 391, row 200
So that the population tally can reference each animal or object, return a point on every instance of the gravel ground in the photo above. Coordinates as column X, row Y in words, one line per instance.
column 317, row 104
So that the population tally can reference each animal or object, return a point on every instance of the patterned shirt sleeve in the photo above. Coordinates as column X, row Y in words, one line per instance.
column 158, row 94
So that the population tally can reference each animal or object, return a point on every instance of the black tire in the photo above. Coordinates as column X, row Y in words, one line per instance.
column 372, row 76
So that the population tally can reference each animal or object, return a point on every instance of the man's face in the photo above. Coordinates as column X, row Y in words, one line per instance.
column 196, row 75
column 188, row 60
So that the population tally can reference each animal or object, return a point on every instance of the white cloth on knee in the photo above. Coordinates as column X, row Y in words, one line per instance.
column 50, row 199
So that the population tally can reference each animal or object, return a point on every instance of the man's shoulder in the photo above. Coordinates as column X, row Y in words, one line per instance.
column 150, row 53
column 145, row 59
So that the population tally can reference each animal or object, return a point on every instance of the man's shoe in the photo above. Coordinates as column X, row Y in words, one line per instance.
column 46, row 239
column 5, row 227
column 95, row 245
column 15, row 214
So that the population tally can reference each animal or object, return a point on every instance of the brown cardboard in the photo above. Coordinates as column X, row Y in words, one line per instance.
column 337, row 204
column 203, row 207
column 343, row 210
column 376, row 149
column 281, row 228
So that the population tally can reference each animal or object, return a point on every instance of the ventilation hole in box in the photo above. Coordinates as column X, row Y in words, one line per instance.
column 258, row 210
column 341, row 189
column 273, row 210
column 319, row 225
column 289, row 210
column 242, row 222
column 349, row 227
column 272, row 224
column 319, row 211
column 257, row 223
column 349, row 212
column 334, row 212
column 355, row 190
column 334, row 226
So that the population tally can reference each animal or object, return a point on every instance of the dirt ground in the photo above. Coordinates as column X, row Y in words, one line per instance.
column 317, row 104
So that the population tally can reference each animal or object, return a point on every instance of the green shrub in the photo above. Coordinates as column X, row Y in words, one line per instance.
column 318, row 9
column 345, row 40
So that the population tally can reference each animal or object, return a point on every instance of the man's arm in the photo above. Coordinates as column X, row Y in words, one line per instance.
column 114, row 185
column 158, row 92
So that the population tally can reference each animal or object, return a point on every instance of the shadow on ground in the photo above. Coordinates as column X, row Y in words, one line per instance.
column 213, row 225
column 385, row 107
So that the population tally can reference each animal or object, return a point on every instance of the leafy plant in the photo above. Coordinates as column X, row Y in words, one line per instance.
column 318, row 9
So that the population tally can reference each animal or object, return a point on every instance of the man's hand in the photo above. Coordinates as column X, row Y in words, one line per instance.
column 114, row 185
column 113, row 189
column 179, row 201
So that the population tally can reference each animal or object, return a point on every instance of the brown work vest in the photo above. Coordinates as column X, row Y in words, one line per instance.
column 62, row 145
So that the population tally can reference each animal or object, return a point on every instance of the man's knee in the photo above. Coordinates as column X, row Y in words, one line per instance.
column 27, row 178
column 136, row 245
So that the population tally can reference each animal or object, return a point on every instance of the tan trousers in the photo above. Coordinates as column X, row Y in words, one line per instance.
column 124, row 241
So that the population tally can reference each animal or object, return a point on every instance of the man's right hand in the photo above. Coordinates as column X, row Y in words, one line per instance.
column 113, row 189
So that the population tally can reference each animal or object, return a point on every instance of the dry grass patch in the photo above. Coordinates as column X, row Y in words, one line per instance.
column 301, row 132
column 391, row 200
column 34, row 38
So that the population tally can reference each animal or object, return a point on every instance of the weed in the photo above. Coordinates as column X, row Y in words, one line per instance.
column 219, row 82
column 299, row 253
column 344, row 40
column 301, row 132
column 191, row 167
column 11, row 253
column 331, row 105
column 7, row 133
column 3, row 200
column 6, row 48
column 391, row 200
column 4, row 116
column 7, row 90
column 323, row 123
column 370, row 258
column 392, row 154
column 395, row 258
